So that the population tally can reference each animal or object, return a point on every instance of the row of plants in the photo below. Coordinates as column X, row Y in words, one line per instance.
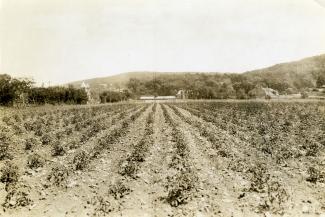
column 181, row 182
column 268, row 125
column 98, row 125
column 132, row 163
column 280, row 131
column 92, row 149
column 271, row 189
column 111, row 199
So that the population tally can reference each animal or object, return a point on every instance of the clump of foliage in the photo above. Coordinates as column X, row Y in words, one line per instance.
column 81, row 160
column 12, row 89
column 17, row 198
column 119, row 190
column 57, row 95
column 4, row 149
column 35, row 161
column 47, row 139
column 58, row 175
column 114, row 96
column 105, row 204
column 258, row 177
column 58, row 149
column 276, row 198
column 315, row 175
column 128, row 168
column 30, row 143
column 312, row 149
column 102, row 206
column 9, row 175
column 180, row 188
column 15, row 90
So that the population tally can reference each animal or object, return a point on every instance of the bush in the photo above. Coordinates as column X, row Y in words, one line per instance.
column 113, row 96
column 11, row 89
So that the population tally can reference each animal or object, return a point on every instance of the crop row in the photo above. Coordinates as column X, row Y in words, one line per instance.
column 279, row 131
column 182, row 180
column 99, row 132
column 92, row 149
column 127, row 168
column 253, row 170
column 132, row 164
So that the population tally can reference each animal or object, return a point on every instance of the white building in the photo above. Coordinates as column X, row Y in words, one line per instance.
column 86, row 87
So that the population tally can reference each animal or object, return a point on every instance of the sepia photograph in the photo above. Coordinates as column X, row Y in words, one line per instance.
column 162, row 108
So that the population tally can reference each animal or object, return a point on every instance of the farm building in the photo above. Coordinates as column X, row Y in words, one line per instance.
column 261, row 92
column 181, row 94
column 147, row 98
column 87, row 89
column 157, row 98
column 269, row 92
column 165, row 97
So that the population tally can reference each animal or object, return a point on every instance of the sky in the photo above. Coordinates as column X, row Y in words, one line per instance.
column 59, row 41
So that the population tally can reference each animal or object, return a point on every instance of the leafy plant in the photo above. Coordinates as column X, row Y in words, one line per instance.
column 315, row 175
column 30, row 143
column 258, row 177
column 81, row 160
column 180, row 187
column 119, row 190
column 9, row 175
column 35, row 161
column 17, row 198
column 58, row 149
column 58, row 175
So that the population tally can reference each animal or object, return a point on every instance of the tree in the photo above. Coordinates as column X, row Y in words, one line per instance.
column 12, row 89
column 134, row 85
column 320, row 81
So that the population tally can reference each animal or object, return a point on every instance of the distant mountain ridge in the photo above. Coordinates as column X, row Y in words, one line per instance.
column 297, row 73
column 303, row 71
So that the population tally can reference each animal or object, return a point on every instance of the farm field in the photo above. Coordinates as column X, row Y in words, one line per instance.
column 219, row 158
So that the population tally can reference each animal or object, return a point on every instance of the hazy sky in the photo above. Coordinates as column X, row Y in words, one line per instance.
column 65, row 40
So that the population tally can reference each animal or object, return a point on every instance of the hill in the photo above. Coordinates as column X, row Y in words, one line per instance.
column 296, row 75
column 119, row 80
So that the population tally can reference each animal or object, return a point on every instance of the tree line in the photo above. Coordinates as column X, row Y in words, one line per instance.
column 13, row 90
column 114, row 96
column 214, row 86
